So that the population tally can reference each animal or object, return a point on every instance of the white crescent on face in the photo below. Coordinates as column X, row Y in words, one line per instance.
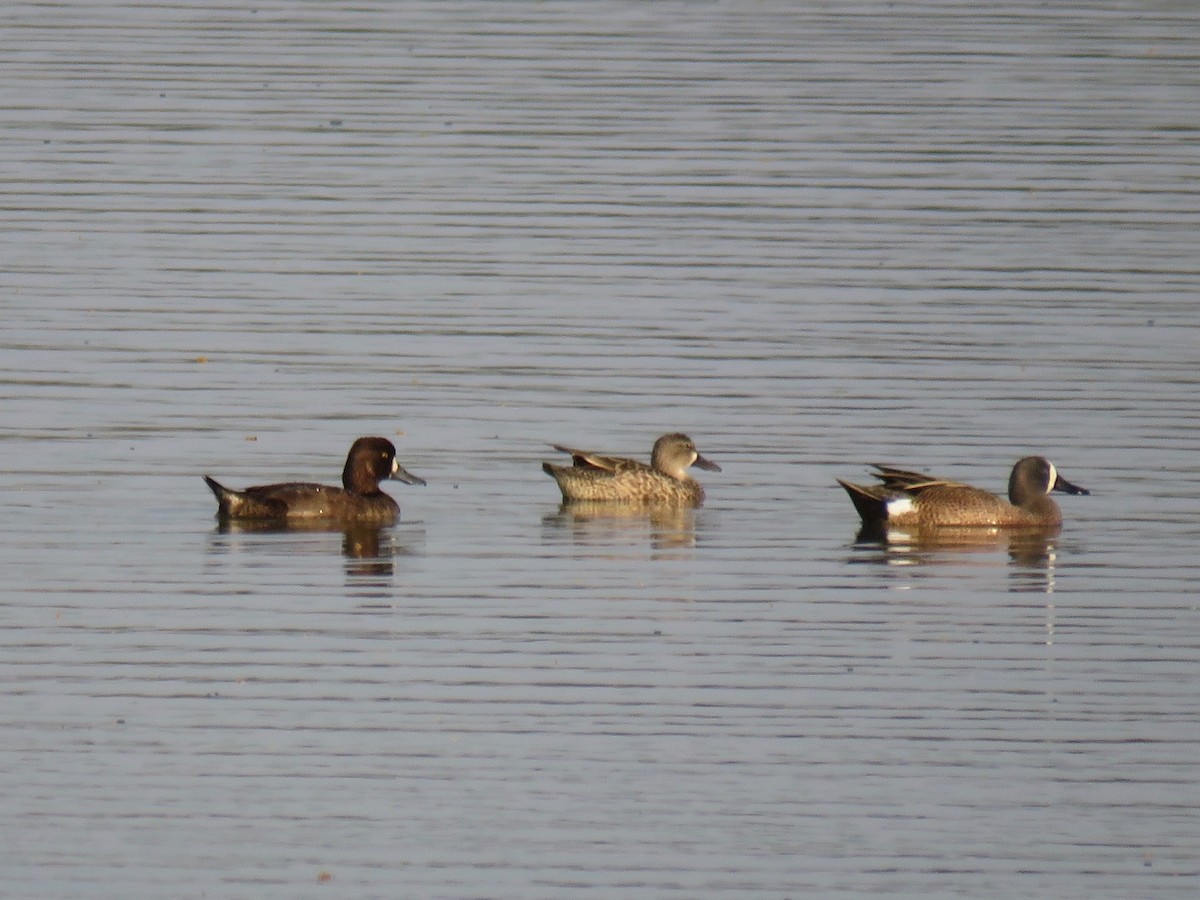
column 1053, row 476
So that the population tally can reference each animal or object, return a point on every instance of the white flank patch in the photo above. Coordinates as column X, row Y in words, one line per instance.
column 899, row 506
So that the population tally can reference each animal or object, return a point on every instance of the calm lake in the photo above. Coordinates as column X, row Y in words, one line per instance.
column 812, row 235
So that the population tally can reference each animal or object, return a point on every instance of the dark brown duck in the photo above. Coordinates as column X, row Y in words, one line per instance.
column 359, row 499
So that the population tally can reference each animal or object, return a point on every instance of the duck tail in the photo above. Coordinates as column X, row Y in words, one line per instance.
column 870, row 502
column 226, row 499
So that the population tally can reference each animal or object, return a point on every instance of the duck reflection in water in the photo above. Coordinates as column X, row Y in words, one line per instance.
column 916, row 518
column 1031, row 551
column 369, row 550
column 358, row 510
column 606, row 523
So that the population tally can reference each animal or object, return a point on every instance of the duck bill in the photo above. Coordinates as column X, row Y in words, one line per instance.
column 1061, row 484
column 399, row 473
column 708, row 465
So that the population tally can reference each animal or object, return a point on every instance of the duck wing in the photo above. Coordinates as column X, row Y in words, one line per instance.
column 907, row 481
column 588, row 459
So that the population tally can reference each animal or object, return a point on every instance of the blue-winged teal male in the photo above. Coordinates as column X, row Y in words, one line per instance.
column 906, row 498
column 665, row 482
column 359, row 500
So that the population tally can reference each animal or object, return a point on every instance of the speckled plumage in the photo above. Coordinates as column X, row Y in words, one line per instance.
column 905, row 498
column 665, row 482
column 359, row 500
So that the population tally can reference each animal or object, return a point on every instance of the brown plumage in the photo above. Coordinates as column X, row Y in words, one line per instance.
column 665, row 482
column 905, row 498
column 370, row 460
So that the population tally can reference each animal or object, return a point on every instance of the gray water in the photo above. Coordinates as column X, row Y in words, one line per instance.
column 813, row 236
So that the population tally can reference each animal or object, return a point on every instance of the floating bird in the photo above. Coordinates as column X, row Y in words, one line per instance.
column 665, row 482
column 358, row 500
column 906, row 498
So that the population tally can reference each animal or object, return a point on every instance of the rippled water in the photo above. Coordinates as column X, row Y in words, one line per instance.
column 813, row 236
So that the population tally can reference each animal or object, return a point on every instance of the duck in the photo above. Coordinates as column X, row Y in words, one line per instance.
column 664, row 482
column 358, row 501
column 912, row 499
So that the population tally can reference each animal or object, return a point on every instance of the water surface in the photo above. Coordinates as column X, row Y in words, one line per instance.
column 811, row 236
